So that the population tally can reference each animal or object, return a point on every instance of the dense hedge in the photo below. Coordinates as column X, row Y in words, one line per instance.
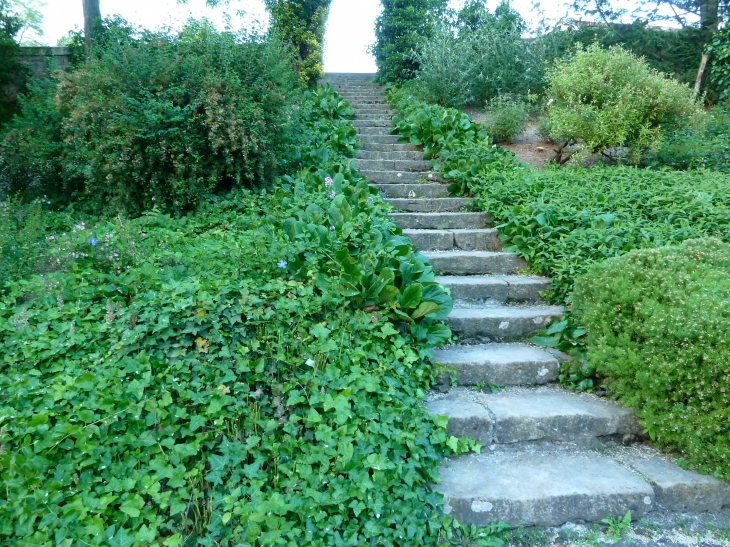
column 12, row 73
column 657, row 331
column 157, row 120
column 251, row 374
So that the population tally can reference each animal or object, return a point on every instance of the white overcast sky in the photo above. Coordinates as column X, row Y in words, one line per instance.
column 350, row 28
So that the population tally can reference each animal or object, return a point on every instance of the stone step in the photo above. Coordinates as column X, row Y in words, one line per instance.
column 435, row 190
column 415, row 155
column 384, row 147
column 374, row 110
column 498, row 323
column 432, row 205
column 552, row 486
column 441, row 221
column 373, row 131
column 367, row 102
column 505, row 288
column 418, row 166
column 496, row 364
column 484, row 239
column 360, row 124
column 475, row 262
column 533, row 414
column 398, row 177
column 378, row 139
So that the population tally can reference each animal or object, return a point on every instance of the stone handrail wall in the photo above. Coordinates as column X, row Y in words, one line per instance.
column 39, row 59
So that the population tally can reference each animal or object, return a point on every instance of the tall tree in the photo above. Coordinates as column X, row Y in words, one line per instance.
column 92, row 23
column 302, row 23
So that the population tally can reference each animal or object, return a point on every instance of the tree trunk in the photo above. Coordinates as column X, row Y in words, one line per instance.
column 92, row 22
column 700, row 74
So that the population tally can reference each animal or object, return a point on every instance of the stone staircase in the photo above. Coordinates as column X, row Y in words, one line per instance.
column 549, row 456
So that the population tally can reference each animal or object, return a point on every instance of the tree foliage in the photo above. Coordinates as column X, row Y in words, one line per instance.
column 302, row 23
column 11, row 71
column 720, row 51
column 398, row 30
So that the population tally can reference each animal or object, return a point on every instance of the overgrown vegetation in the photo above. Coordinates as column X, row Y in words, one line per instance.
column 156, row 120
column 657, row 332
column 506, row 117
column 302, row 24
column 398, row 30
column 249, row 374
column 609, row 98
column 479, row 57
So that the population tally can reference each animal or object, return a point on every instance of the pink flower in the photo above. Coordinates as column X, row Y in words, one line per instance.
column 328, row 182
column 332, row 194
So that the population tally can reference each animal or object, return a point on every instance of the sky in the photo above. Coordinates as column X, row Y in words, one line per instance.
column 350, row 27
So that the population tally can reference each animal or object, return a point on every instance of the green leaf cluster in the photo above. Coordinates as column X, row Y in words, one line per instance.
column 719, row 49
column 657, row 330
column 611, row 98
column 12, row 73
column 252, row 375
column 463, row 148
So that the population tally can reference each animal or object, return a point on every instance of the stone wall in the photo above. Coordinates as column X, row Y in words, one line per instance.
column 39, row 59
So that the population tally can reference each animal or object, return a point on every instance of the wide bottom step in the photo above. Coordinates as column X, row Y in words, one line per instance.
column 551, row 487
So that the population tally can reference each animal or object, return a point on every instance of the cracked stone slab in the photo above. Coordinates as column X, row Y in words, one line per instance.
column 555, row 414
column 680, row 490
column 498, row 364
column 467, row 417
column 541, row 489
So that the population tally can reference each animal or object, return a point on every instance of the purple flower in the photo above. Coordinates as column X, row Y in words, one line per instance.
column 332, row 194
column 328, row 181
column 93, row 241
column 332, row 228
column 282, row 264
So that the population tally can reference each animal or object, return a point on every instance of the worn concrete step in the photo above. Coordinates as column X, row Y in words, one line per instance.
column 373, row 131
column 552, row 486
column 533, row 414
column 435, row 190
column 388, row 147
column 498, row 323
column 432, row 205
column 441, row 221
column 483, row 239
column 418, row 166
column 475, row 262
column 360, row 123
column 374, row 110
column 367, row 102
column 505, row 288
column 378, row 139
column 393, row 156
column 496, row 364
column 398, row 177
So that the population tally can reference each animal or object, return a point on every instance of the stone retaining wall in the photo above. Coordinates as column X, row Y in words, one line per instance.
column 39, row 59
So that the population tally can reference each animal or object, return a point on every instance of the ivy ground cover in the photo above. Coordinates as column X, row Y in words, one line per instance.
column 251, row 374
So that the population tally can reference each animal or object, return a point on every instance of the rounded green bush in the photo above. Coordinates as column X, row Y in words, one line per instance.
column 658, row 330
column 608, row 98
column 506, row 118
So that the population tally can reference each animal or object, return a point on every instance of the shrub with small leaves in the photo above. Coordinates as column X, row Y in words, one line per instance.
column 657, row 330
column 506, row 117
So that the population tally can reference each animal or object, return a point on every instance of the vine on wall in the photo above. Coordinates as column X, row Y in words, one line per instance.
column 302, row 23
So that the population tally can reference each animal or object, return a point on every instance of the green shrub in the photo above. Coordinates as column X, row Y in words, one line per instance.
column 720, row 71
column 611, row 98
column 506, row 118
column 706, row 146
column 398, row 29
column 158, row 120
column 485, row 58
column 564, row 220
column 657, row 329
